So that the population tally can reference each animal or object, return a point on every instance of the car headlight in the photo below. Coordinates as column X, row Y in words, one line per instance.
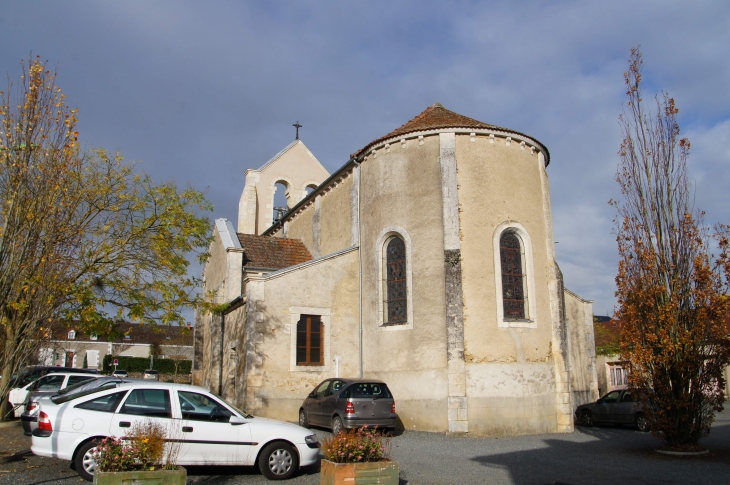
column 311, row 441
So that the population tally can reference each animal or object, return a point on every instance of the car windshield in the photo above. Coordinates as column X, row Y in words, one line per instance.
column 239, row 411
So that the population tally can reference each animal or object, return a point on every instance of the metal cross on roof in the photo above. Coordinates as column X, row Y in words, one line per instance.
column 297, row 126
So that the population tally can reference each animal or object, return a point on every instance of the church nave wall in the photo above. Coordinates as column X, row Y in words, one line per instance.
column 275, row 384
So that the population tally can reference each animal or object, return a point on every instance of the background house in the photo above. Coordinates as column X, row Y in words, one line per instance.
column 611, row 374
column 70, row 347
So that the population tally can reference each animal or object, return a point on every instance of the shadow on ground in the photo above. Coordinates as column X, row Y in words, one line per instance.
column 613, row 455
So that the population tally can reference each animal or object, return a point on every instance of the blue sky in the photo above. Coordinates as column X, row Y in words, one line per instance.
column 199, row 91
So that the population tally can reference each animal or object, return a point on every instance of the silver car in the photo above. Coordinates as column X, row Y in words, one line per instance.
column 349, row 403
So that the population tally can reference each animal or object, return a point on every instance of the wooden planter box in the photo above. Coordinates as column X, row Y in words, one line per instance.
column 375, row 472
column 157, row 477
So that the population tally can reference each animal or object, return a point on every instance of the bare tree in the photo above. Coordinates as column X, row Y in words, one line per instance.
column 671, row 290
column 178, row 348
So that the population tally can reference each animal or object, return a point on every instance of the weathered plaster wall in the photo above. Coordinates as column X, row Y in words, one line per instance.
column 207, row 325
column 300, row 227
column 583, row 372
column 234, row 363
column 335, row 218
column 499, row 183
column 274, row 385
column 401, row 191
column 507, row 399
column 214, row 274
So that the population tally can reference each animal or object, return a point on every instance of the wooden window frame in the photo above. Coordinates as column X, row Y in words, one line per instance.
column 306, row 342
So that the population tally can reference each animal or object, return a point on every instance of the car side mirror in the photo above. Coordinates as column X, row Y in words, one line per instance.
column 600, row 401
column 235, row 420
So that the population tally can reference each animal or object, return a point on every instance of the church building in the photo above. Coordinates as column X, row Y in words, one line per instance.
column 426, row 261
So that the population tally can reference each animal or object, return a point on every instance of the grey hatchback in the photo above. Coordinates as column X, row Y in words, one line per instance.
column 349, row 403
column 617, row 407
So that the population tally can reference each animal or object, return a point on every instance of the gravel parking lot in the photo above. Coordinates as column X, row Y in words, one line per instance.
column 603, row 455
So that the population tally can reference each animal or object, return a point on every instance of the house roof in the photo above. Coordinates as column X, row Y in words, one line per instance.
column 437, row 117
column 272, row 252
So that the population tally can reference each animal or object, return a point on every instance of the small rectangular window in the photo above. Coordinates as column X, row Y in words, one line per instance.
column 310, row 341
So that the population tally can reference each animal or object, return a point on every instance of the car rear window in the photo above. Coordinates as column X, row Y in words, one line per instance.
column 105, row 404
column 77, row 380
column 370, row 390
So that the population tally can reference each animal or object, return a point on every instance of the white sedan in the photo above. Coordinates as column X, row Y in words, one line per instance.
column 209, row 430
column 49, row 382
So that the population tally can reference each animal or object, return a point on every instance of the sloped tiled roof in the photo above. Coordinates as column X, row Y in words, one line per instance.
column 272, row 252
column 433, row 118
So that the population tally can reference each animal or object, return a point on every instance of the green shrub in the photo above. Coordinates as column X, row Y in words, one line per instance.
column 141, row 364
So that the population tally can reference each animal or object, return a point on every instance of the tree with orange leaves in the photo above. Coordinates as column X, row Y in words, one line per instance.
column 672, row 292
column 83, row 238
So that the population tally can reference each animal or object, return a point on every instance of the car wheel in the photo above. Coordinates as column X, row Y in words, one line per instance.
column 303, row 419
column 84, row 463
column 336, row 425
column 586, row 418
column 642, row 423
column 278, row 461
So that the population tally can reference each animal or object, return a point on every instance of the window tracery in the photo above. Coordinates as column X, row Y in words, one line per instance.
column 395, row 302
column 513, row 276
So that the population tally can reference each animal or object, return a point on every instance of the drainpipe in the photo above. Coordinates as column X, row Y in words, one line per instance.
column 359, row 253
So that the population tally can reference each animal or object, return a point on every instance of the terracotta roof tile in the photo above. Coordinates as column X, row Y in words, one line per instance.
column 272, row 252
column 433, row 118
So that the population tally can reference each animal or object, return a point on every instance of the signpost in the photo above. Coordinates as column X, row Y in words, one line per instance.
column 116, row 363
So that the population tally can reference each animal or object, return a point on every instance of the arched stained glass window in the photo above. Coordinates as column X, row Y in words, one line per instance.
column 513, row 276
column 395, row 298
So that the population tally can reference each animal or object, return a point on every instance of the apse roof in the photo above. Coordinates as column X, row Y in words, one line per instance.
column 272, row 252
column 437, row 117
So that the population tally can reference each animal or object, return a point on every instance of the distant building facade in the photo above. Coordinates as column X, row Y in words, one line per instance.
column 71, row 347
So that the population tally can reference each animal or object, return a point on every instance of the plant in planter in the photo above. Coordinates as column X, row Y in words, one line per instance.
column 146, row 454
column 360, row 454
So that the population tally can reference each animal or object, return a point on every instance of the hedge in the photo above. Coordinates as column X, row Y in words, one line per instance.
column 141, row 364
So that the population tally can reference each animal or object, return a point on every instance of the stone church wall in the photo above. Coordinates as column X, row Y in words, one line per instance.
column 274, row 385
column 401, row 193
column 510, row 370
column 498, row 184
column 508, row 399
column 325, row 225
column 334, row 223
column 582, row 351
column 301, row 228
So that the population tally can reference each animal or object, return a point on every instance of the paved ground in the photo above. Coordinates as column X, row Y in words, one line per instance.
column 603, row 455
